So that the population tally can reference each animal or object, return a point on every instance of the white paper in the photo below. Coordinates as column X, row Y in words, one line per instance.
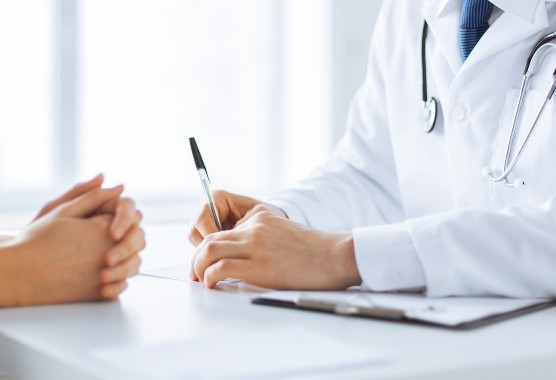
column 450, row 311
column 262, row 354
column 178, row 272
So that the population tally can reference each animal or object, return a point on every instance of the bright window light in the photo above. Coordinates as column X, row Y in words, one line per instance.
column 154, row 73
column 26, row 96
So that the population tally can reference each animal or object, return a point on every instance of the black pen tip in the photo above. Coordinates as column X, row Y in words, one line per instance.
column 196, row 154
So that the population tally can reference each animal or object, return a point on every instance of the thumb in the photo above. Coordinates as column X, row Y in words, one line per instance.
column 90, row 202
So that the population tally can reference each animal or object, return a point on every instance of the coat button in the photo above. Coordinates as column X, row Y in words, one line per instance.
column 459, row 113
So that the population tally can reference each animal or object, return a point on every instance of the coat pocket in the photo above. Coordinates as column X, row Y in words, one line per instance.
column 535, row 165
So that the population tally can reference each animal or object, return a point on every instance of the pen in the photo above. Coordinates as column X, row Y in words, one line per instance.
column 205, row 182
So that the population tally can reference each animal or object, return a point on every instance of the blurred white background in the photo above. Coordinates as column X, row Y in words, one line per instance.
column 118, row 86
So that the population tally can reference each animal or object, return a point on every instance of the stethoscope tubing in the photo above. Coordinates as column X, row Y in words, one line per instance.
column 430, row 105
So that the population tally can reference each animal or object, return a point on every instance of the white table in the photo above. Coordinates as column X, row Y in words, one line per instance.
column 55, row 342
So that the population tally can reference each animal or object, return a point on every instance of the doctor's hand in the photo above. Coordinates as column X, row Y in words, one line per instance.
column 274, row 252
column 233, row 210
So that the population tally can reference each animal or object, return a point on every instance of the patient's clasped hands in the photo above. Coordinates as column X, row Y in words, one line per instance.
column 82, row 246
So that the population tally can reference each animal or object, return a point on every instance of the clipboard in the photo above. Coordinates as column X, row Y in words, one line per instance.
column 461, row 313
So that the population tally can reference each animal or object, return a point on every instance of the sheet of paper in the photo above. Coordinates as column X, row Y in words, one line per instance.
column 178, row 272
column 450, row 311
column 260, row 355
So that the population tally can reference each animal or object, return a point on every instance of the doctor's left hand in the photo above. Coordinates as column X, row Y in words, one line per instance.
column 274, row 252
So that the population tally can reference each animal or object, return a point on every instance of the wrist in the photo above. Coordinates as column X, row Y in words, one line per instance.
column 11, row 276
column 344, row 269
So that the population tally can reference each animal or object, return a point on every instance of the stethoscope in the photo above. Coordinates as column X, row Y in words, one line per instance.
column 430, row 109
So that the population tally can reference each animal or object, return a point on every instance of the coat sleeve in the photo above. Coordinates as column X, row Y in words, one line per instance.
column 358, row 185
column 358, row 188
column 509, row 252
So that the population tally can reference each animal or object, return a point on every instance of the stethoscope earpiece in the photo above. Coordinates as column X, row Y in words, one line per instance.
column 518, row 183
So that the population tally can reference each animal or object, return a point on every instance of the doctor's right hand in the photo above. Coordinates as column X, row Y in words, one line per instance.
column 233, row 210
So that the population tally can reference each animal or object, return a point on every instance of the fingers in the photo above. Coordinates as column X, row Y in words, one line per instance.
column 262, row 207
column 230, row 208
column 76, row 191
column 213, row 251
column 205, row 224
column 247, row 216
column 225, row 268
column 132, row 243
column 122, row 271
column 90, row 202
column 125, row 216
column 192, row 274
column 195, row 237
column 113, row 290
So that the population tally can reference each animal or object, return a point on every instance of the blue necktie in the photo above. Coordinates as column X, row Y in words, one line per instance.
column 474, row 23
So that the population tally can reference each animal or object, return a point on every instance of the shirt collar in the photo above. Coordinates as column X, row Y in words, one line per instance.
column 523, row 9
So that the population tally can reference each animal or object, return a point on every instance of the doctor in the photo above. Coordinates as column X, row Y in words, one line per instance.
column 402, row 207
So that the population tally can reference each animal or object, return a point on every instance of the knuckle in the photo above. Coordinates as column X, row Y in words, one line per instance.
column 103, row 221
column 265, row 214
column 210, row 250
column 259, row 208
column 259, row 217
column 220, row 194
column 222, row 266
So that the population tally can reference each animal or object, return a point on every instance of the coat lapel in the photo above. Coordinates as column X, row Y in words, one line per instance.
column 442, row 17
column 508, row 30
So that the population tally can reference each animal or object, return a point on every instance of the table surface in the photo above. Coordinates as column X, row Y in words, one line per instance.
column 58, row 341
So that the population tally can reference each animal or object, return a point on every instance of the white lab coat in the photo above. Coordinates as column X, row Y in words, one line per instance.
column 422, row 212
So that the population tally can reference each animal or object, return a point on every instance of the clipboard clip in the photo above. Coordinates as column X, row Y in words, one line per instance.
column 349, row 309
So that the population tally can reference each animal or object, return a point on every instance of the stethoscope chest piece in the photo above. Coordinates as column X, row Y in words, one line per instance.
column 430, row 111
